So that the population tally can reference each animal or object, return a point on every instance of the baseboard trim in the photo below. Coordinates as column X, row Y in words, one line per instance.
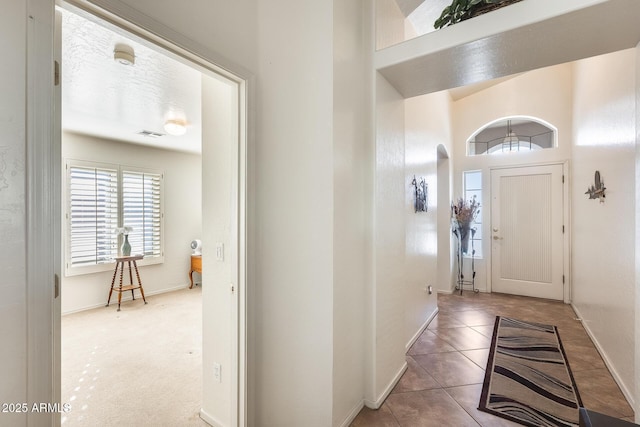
column 126, row 297
column 445, row 292
column 387, row 391
column 616, row 377
column 352, row 414
column 421, row 329
column 212, row 421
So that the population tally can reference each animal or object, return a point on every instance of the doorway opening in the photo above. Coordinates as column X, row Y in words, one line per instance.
column 216, row 190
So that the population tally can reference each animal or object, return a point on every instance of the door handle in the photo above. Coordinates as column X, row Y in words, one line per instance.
column 497, row 238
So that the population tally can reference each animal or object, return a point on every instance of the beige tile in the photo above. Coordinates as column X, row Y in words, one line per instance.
column 487, row 330
column 429, row 343
column 433, row 358
column 476, row 318
column 451, row 369
column 428, row 408
column 468, row 397
column 375, row 418
column 445, row 321
column 582, row 356
column 479, row 357
column 464, row 338
column 600, row 393
column 414, row 379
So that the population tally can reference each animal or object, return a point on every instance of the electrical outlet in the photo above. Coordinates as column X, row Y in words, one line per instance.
column 217, row 372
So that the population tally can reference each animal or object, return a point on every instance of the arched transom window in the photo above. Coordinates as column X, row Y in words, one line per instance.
column 512, row 135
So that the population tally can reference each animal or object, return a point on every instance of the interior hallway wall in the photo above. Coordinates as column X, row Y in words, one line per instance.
column 13, row 208
column 427, row 125
column 603, row 247
column 352, row 187
column 182, row 217
column 388, row 324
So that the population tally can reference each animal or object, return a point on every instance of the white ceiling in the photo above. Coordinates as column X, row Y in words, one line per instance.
column 103, row 98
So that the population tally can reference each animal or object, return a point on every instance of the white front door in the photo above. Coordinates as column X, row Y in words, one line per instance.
column 527, row 231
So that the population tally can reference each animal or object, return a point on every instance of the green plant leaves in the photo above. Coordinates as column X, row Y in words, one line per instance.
column 459, row 10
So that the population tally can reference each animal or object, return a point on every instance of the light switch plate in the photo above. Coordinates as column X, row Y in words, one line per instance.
column 220, row 252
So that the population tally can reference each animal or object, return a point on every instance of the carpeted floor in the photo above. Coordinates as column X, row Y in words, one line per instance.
column 528, row 379
column 141, row 366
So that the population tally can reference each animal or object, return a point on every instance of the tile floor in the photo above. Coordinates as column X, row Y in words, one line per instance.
column 442, row 384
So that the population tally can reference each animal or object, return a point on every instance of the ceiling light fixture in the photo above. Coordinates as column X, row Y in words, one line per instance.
column 175, row 127
column 123, row 54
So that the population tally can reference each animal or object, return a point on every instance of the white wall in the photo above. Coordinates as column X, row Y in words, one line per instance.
column 389, row 295
column 405, row 242
column 182, row 220
column 352, row 157
column 546, row 94
column 294, row 214
column 637, row 242
column 219, row 205
column 13, row 305
column 603, row 248
column 427, row 125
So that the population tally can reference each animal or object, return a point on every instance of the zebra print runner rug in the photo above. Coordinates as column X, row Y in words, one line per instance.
column 528, row 379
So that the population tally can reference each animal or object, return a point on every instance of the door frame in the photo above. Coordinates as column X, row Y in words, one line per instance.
column 566, row 213
column 43, row 192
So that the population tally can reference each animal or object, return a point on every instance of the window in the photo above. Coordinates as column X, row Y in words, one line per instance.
column 102, row 197
column 512, row 135
column 473, row 188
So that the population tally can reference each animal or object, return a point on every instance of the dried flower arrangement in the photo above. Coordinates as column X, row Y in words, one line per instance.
column 463, row 212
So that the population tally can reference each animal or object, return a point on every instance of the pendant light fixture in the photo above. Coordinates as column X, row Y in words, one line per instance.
column 511, row 141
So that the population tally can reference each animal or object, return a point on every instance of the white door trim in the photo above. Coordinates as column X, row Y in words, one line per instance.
column 43, row 213
column 43, row 182
column 566, row 219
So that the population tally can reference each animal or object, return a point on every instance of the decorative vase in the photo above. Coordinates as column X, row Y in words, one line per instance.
column 125, row 250
column 465, row 231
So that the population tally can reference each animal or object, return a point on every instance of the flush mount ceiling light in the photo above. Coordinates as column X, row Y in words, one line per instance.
column 123, row 54
column 175, row 127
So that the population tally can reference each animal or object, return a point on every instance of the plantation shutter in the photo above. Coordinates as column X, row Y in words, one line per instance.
column 93, row 214
column 142, row 210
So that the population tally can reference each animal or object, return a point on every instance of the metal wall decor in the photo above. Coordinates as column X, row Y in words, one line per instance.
column 596, row 191
column 421, row 195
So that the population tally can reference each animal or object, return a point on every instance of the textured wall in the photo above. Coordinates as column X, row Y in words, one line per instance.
column 13, row 308
column 603, row 249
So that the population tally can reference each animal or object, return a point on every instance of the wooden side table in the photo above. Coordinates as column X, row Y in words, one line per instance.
column 131, row 287
column 196, row 265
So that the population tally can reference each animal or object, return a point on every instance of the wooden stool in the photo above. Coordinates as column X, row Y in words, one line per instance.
column 120, row 289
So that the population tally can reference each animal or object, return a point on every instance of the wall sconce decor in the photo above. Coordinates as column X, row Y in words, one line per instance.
column 421, row 194
column 596, row 191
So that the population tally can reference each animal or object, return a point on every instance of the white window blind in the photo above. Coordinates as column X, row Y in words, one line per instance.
column 103, row 197
column 93, row 215
column 142, row 210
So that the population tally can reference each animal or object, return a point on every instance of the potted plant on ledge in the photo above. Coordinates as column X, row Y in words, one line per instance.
column 460, row 10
